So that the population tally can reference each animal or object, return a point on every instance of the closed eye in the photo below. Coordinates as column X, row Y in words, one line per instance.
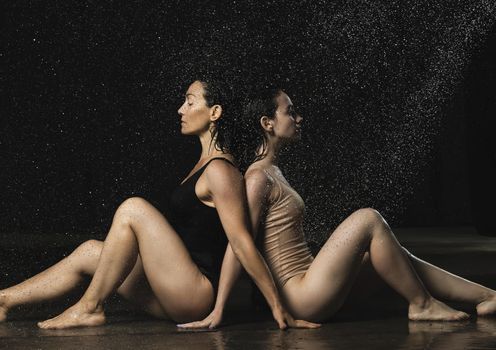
column 291, row 111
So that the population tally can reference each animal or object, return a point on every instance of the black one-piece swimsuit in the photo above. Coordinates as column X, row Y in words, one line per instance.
column 199, row 226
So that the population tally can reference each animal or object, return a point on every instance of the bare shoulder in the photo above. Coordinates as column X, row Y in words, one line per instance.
column 222, row 173
column 257, row 177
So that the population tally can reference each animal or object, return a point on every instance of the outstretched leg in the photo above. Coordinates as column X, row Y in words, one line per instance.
column 320, row 292
column 184, row 293
column 440, row 283
column 69, row 273
column 447, row 286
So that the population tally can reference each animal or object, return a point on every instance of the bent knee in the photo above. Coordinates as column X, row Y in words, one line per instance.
column 133, row 203
column 90, row 247
column 370, row 216
column 368, row 212
column 130, row 208
column 85, row 257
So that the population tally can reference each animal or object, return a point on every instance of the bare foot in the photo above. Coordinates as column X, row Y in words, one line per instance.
column 487, row 307
column 3, row 307
column 435, row 310
column 78, row 315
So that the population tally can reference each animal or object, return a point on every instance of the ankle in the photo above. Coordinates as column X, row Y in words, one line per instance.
column 487, row 296
column 422, row 302
column 92, row 305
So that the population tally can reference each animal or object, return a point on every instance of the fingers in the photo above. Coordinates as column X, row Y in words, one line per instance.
column 282, row 324
column 306, row 324
column 200, row 324
column 213, row 325
column 194, row 325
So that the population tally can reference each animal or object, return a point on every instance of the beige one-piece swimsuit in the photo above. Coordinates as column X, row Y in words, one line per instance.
column 284, row 246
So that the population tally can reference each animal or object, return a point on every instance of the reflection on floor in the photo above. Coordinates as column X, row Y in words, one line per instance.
column 378, row 322
column 390, row 333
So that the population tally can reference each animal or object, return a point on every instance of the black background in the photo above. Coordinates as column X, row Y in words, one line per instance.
column 398, row 99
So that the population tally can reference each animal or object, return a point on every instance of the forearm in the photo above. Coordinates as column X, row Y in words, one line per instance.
column 255, row 266
column 231, row 269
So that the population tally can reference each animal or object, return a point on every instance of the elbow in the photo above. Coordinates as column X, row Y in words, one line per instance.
column 239, row 247
column 236, row 246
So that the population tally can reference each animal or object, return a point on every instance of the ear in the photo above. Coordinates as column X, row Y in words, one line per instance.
column 267, row 123
column 215, row 112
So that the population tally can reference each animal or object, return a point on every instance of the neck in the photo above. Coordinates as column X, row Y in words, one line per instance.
column 208, row 145
column 271, row 153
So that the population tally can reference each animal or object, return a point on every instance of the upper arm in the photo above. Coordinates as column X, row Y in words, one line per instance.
column 257, row 191
column 226, row 184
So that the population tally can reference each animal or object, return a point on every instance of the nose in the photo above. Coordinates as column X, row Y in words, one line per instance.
column 299, row 119
column 180, row 111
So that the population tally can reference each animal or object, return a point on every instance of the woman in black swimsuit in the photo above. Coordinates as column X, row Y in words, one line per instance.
column 168, row 266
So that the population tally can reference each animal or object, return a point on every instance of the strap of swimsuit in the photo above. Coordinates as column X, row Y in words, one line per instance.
column 200, row 171
column 227, row 160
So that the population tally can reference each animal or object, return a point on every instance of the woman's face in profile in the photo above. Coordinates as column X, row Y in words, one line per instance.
column 287, row 123
column 194, row 112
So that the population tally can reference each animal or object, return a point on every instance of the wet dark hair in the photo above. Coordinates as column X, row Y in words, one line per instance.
column 219, row 92
column 251, row 134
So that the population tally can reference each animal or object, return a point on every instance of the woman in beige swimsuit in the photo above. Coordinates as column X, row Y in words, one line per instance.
column 148, row 258
column 315, row 288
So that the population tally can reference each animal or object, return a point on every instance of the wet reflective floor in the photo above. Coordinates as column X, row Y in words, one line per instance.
column 379, row 322
column 390, row 333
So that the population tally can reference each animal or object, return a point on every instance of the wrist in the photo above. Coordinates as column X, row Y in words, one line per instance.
column 219, row 308
column 277, row 306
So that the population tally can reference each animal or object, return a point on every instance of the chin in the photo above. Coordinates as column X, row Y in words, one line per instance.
column 184, row 131
column 189, row 132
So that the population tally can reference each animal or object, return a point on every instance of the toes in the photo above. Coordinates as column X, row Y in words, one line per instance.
column 460, row 316
column 47, row 324
column 43, row 325
column 487, row 308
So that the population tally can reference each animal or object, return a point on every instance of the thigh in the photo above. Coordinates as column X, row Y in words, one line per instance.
column 321, row 291
column 183, row 291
